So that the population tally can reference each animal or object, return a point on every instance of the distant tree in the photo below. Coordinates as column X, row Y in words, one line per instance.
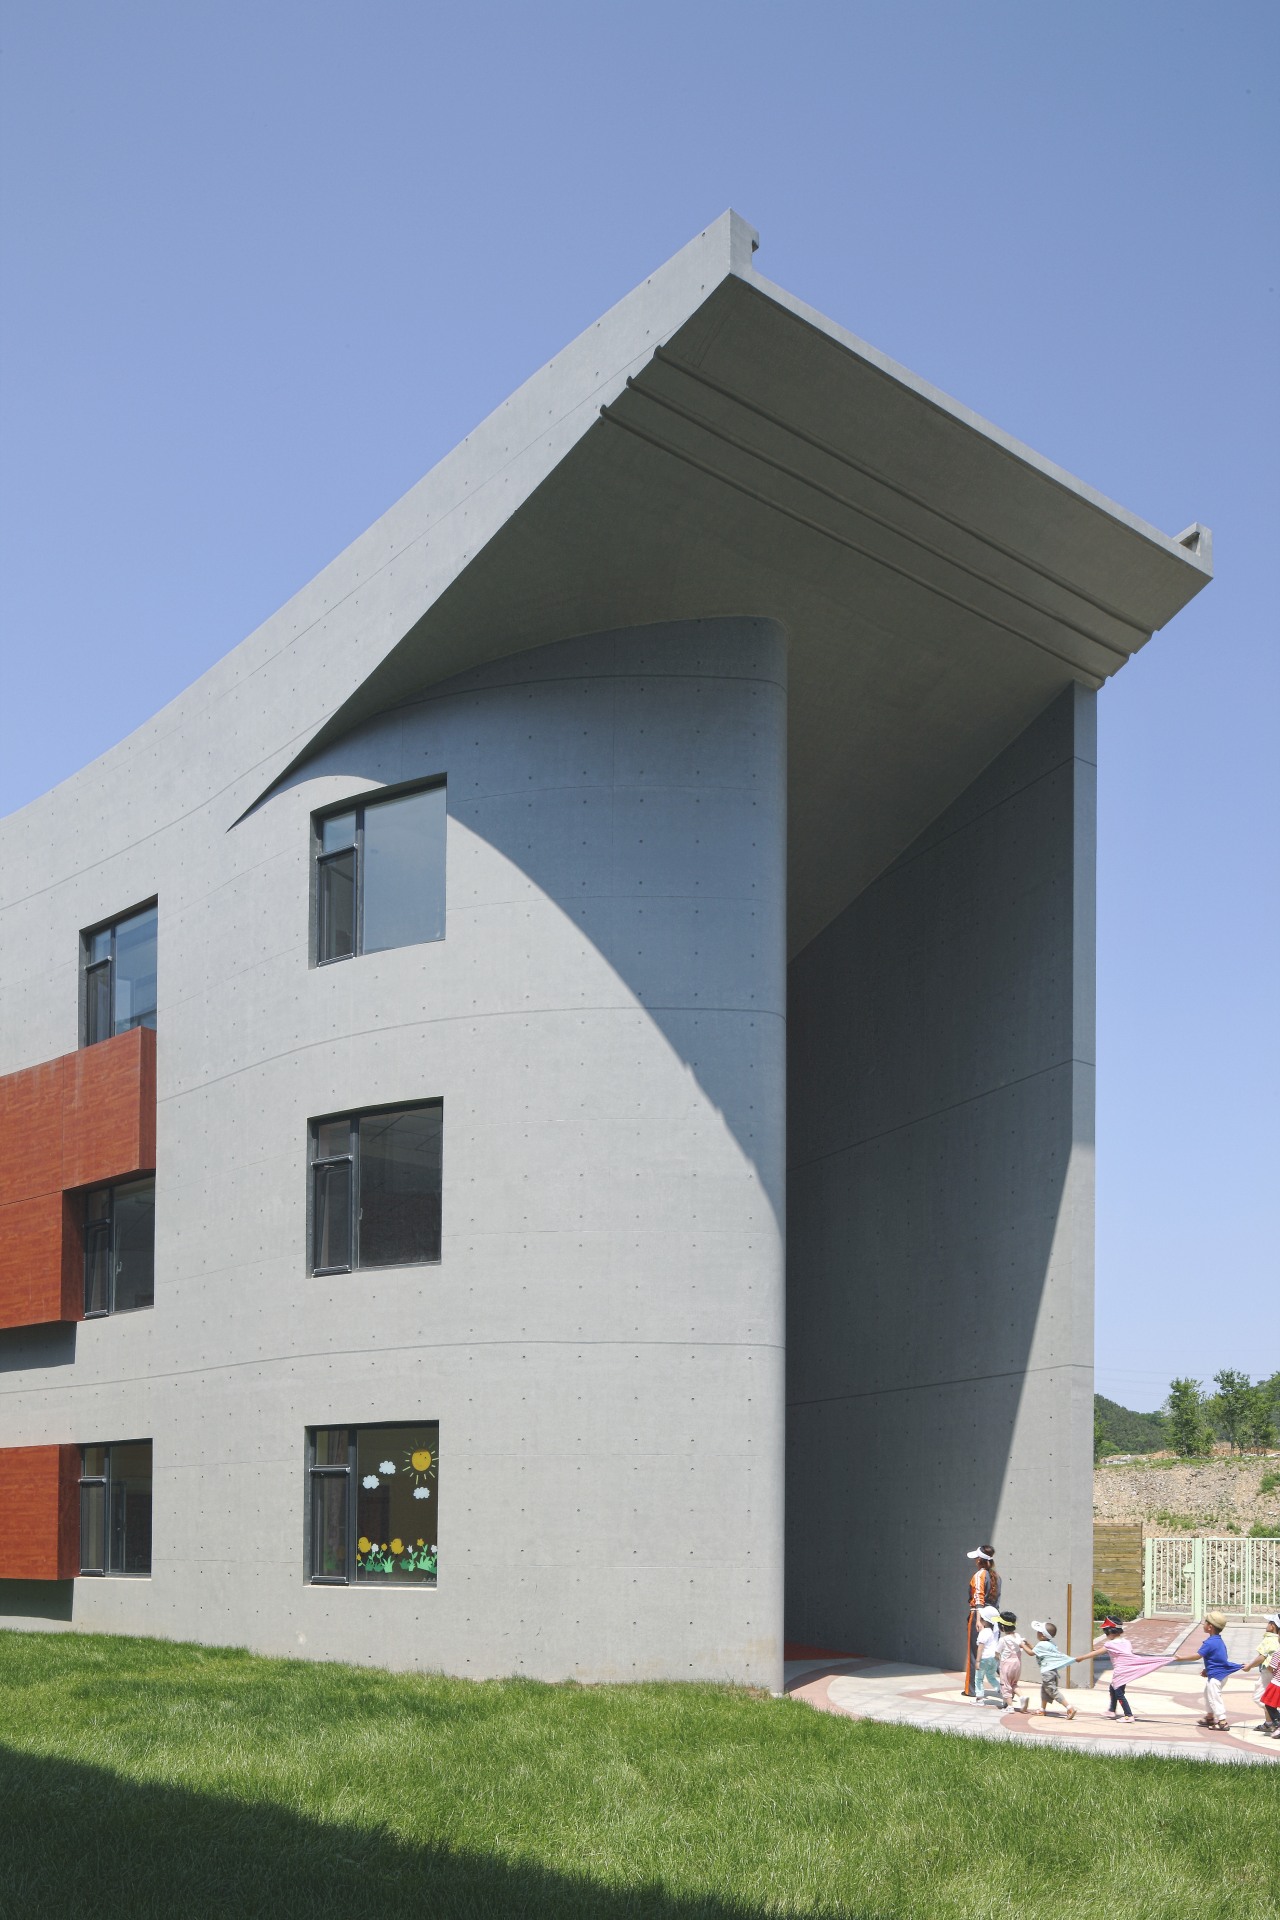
column 1231, row 1405
column 1188, row 1428
column 1101, row 1438
column 1129, row 1432
column 1260, row 1423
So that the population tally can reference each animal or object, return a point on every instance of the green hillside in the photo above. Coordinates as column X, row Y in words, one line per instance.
column 1128, row 1432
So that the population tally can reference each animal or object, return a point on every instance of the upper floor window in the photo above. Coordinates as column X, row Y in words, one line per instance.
column 380, row 875
column 373, row 1504
column 115, row 1508
column 120, row 1248
column 375, row 1189
column 119, row 965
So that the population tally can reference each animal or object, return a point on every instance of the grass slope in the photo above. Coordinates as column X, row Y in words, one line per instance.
column 144, row 1778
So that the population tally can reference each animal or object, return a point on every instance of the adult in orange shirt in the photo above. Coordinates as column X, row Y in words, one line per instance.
column 984, row 1591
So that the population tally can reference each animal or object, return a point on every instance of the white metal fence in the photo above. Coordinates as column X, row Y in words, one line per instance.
column 1187, row 1576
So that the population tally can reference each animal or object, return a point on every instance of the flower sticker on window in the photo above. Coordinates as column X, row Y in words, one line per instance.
column 370, row 1481
column 386, row 1466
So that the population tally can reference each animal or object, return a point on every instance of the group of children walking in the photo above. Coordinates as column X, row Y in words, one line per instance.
column 993, row 1664
column 1000, row 1648
column 1000, row 1651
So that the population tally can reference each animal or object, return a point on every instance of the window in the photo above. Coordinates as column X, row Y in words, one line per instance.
column 120, row 1248
column 380, row 875
column 373, row 1504
column 115, row 1508
column 375, row 1189
column 119, row 966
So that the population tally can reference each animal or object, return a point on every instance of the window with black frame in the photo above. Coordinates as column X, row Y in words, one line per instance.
column 375, row 1189
column 380, row 874
column 119, row 1248
column 118, row 962
column 372, row 1504
column 115, row 1508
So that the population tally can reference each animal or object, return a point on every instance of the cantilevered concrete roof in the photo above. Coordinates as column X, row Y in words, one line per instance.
column 713, row 446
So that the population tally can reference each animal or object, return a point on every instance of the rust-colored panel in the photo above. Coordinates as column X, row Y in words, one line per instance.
column 37, row 1541
column 85, row 1120
column 31, row 1128
column 33, row 1261
column 108, row 1120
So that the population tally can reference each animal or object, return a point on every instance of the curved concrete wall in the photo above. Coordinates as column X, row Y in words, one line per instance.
column 602, row 1341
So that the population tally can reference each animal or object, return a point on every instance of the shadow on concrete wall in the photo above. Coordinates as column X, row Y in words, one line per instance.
column 26, row 1347
column 538, row 747
column 936, row 1047
column 83, row 1840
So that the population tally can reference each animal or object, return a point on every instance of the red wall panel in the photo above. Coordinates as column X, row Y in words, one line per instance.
column 31, row 1120
column 39, row 1513
column 85, row 1120
column 109, row 1110
column 32, row 1248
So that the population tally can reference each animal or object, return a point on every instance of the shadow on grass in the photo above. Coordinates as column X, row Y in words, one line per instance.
column 81, row 1841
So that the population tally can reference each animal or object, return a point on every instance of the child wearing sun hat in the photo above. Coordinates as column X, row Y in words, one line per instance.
column 1213, row 1652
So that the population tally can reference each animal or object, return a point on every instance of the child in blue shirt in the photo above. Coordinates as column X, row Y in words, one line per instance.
column 1213, row 1652
column 1051, row 1663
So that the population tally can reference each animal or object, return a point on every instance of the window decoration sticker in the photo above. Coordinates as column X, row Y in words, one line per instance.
column 421, row 1465
column 395, row 1556
column 370, row 1481
column 386, row 1466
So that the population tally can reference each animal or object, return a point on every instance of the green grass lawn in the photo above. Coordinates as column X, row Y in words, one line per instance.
column 140, row 1778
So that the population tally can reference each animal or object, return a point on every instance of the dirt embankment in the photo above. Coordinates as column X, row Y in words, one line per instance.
column 1212, row 1496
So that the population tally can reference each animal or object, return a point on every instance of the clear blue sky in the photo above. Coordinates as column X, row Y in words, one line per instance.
column 264, row 264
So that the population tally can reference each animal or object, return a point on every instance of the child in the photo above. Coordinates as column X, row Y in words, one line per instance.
column 1009, row 1663
column 987, row 1684
column 1112, row 1640
column 1126, row 1665
column 1213, row 1652
column 1267, row 1661
column 1051, row 1662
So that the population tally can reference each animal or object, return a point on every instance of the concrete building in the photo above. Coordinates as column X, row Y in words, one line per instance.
column 550, row 1094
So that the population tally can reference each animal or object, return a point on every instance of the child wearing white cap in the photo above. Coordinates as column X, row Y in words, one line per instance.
column 1267, row 1661
column 988, row 1681
column 1051, row 1660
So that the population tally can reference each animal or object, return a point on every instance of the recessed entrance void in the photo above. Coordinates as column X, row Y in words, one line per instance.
column 614, row 1021
column 940, row 1219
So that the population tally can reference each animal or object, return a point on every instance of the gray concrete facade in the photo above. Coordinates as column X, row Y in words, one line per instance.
column 940, row 1213
column 734, row 642
column 602, row 1341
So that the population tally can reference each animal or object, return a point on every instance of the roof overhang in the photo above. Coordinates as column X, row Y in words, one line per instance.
column 939, row 583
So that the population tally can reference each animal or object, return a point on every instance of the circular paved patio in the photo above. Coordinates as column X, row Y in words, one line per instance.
column 1167, row 1706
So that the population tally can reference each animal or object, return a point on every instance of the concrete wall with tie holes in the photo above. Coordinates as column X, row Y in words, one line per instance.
column 602, row 1340
column 940, row 1219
